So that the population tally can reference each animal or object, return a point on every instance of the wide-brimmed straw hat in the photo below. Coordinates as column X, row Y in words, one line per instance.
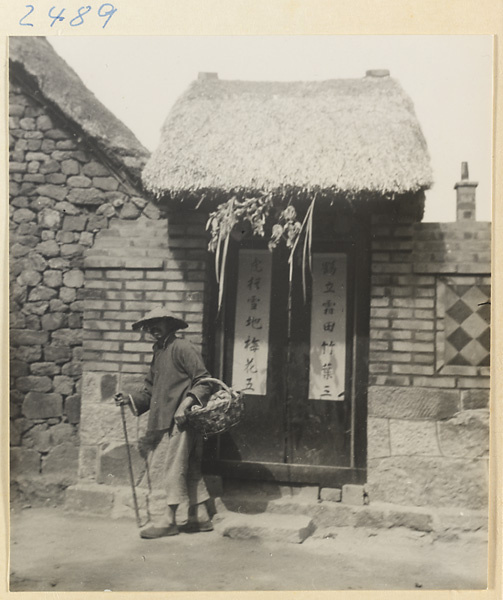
column 156, row 314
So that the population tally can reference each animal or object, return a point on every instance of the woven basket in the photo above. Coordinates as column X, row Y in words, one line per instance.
column 223, row 411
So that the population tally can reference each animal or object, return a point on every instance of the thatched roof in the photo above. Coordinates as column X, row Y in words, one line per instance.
column 351, row 135
column 39, row 67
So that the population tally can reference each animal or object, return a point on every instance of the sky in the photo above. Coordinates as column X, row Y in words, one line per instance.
column 448, row 78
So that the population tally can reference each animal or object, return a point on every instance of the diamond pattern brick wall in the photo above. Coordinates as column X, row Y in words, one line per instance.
column 463, row 322
column 429, row 320
column 467, row 330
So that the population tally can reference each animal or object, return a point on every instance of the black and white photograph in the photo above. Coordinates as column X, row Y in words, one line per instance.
column 249, row 312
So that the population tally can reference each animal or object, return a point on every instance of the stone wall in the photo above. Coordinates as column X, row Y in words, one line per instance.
column 61, row 196
column 429, row 362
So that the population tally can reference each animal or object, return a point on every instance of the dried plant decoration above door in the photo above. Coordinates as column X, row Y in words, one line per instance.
column 260, row 217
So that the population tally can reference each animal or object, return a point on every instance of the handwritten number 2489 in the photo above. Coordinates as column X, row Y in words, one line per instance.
column 106, row 11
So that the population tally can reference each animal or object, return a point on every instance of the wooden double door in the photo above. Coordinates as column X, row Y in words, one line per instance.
column 299, row 352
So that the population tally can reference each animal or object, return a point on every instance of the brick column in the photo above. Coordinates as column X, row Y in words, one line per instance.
column 134, row 266
column 401, row 325
column 427, row 421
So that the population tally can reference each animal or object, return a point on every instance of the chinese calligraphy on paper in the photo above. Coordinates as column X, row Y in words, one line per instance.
column 328, row 327
column 251, row 338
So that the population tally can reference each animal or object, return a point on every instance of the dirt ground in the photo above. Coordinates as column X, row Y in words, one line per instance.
column 57, row 552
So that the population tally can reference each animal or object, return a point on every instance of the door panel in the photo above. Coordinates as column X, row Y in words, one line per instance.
column 260, row 436
column 319, row 428
column 307, row 424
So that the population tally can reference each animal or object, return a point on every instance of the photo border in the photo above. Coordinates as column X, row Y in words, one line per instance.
column 285, row 17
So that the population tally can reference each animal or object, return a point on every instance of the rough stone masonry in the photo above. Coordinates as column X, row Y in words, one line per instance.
column 61, row 196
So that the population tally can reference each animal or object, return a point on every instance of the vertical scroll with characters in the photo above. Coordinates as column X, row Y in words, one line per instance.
column 251, row 335
column 328, row 327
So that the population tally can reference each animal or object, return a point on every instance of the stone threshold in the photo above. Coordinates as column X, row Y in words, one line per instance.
column 115, row 502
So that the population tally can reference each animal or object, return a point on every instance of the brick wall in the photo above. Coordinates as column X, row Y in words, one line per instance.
column 429, row 362
column 133, row 267
column 61, row 196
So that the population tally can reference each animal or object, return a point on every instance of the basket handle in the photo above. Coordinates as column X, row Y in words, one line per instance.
column 222, row 385
column 217, row 381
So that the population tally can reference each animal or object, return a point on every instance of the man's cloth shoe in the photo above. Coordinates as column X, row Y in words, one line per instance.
column 196, row 526
column 152, row 533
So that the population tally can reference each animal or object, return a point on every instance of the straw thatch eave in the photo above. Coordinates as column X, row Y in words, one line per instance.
column 357, row 138
column 36, row 66
column 208, row 198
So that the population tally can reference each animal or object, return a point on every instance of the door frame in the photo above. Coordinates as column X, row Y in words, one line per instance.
column 221, row 336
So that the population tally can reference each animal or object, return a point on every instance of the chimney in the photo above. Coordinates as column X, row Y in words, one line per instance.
column 202, row 76
column 377, row 73
column 465, row 196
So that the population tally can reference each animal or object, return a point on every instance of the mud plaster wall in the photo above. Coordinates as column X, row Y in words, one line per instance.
column 61, row 196
column 428, row 402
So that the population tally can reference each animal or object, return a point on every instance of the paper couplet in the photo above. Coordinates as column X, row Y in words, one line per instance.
column 328, row 327
column 251, row 337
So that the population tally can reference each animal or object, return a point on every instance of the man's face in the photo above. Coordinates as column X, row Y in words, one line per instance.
column 159, row 329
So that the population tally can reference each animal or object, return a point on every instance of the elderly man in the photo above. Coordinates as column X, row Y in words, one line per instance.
column 171, row 388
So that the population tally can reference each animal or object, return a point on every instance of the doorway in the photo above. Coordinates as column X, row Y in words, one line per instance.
column 299, row 352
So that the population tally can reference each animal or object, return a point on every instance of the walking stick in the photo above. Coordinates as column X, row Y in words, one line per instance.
column 119, row 402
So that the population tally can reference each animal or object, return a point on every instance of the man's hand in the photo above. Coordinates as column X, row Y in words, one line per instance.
column 181, row 411
column 121, row 400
